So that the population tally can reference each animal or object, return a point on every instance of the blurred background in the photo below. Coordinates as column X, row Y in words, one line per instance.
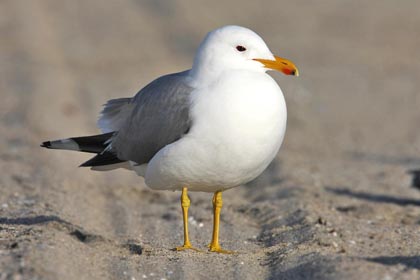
column 353, row 138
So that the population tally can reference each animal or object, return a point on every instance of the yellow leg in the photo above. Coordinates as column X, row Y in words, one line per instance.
column 214, row 246
column 185, row 203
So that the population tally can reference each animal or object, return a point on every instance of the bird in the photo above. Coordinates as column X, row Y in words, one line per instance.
column 211, row 128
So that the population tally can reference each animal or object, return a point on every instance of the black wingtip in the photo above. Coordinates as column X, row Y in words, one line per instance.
column 46, row 144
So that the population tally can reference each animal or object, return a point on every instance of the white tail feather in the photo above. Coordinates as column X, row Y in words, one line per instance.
column 114, row 114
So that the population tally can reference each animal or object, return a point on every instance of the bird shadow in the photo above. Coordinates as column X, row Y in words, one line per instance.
column 411, row 262
column 378, row 198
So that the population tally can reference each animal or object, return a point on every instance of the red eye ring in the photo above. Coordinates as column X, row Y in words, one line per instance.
column 241, row 48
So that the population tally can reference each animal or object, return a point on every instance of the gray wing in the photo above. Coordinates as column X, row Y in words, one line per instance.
column 159, row 116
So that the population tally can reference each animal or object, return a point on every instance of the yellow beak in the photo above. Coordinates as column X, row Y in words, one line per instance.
column 280, row 64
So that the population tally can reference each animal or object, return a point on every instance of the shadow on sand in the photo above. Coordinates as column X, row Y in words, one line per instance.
column 379, row 198
column 75, row 231
column 411, row 262
column 35, row 220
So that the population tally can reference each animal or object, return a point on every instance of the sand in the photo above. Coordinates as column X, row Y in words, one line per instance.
column 339, row 201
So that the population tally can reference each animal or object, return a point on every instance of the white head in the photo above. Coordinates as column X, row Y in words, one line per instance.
column 237, row 48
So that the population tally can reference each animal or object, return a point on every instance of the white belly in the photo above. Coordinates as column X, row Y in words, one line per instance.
column 237, row 129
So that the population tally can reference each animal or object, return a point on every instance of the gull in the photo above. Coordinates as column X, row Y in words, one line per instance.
column 211, row 128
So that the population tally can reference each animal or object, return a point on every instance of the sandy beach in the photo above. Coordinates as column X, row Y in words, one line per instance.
column 339, row 202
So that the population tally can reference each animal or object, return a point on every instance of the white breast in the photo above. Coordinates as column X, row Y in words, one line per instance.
column 238, row 125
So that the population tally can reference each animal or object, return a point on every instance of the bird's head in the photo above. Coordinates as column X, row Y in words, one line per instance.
column 235, row 47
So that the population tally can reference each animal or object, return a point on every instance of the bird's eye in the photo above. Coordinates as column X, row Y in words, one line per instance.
column 241, row 48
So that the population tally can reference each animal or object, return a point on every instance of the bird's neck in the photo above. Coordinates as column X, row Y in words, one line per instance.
column 203, row 75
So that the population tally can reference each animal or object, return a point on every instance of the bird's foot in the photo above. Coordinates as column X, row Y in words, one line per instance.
column 217, row 249
column 187, row 247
